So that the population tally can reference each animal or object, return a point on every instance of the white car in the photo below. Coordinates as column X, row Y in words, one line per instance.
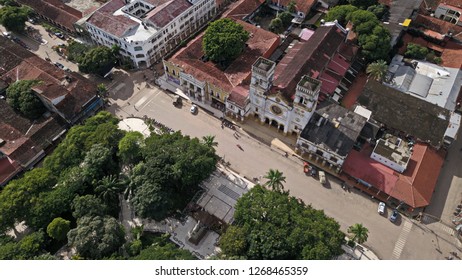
column 193, row 109
column 381, row 208
column 7, row 34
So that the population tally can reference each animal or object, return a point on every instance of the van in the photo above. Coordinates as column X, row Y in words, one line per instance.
column 322, row 177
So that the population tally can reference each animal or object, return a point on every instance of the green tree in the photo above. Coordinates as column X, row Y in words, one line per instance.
column 14, row 18
column 291, row 7
column 163, row 249
column 358, row 233
column 17, row 198
column 377, row 70
column 416, row 51
column 76, row 51
column 276, row 25
column 363, row 4
column 360, row 18
column 209, row 141
column 151, row 200
column 58, row 228
column 340, row 13
column 98, row 163
column 224, row 40
column 234, row 241
column 96, row 237
column 21, row 97
column 87, row 206
column 274, row 225
column 378, row 10
column 109, row 188
column 130, row 148
column 375, row 46
column 275, row 180
column 98, row 60
column 286, row 18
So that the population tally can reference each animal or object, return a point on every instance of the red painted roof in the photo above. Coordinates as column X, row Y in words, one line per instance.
column 8, row 169
column 240, row 9
column 307, row 58
column 438, row 25
column 239, row 95
column 55, row 10
column 261, row 43
column 164, row 14
column 104, row 19
column 415, row 186
column 303, row 6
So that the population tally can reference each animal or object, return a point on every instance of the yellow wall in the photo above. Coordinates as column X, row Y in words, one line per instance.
column 172, row 67
column 223, row 94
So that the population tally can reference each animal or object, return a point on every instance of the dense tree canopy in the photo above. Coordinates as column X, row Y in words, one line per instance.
column 416, row 51
column 21, row 97
column 30, row 246
column 76, row 51
column 376, row 45
column 163, row 249
column 340, row 13
column 98, row 60
column 96, row 236
column 274, row 225
column 172, row 169
column 224, row 40
column 363, row 4
column 380, row 11
column 87, row 205
column 14, row 18
column 19, row 196
column 58, row 228
column 130, row 147
column 99, row 129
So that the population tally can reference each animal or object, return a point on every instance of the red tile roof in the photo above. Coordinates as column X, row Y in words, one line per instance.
column 104, row 19
column 303, row 6
column 261, row 43
column 415, row 186
column 242, row 8
column 307, row 58
column 8, row 169
column 438, row 25
column 163, row 14
column 68, row 97
column 55, row 10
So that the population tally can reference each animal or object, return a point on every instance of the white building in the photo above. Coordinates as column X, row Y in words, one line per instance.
column 330, row 135
column 146, row 30
column 276, row 109
column 393, row 152
column 449, row 13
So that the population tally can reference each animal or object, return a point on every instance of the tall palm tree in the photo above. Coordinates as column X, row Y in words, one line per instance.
column 275, row 180
column 209, row 141
column 109, row 188
column 359, row 233
column 377, row 70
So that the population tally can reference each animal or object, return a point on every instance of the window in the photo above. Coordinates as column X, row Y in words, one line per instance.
column 138, row 48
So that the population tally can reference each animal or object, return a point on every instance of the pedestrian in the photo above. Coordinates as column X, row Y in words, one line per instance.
column 222, row 126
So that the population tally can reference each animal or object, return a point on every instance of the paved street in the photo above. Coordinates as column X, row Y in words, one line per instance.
column 403, row 240
column 130, row 96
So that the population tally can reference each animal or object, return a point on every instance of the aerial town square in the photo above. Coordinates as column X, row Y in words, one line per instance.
column 230, row 130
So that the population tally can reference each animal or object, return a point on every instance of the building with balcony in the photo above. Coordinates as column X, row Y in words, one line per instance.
column 147, row 30
column 330, row 135
column 450, row 11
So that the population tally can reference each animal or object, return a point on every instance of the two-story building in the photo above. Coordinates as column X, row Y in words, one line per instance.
column 146, row 30
column 330, row 135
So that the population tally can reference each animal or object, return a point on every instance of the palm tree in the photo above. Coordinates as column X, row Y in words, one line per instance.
column 377, row 70
column 359, row 233
column 209, row 141
column 109, row 188
column 275, row 179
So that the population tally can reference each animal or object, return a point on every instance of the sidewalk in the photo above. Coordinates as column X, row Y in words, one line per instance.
column 360, row 252
column 165, row 85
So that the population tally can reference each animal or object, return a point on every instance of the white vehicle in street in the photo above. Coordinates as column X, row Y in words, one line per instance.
column 381, row 208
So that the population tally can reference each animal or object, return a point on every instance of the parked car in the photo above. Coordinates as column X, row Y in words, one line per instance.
column 394, row 216
column 193, row 109
column 59, row 65
column 7, row 34
column 322, row 177
column 381, row 208
column 59, row 35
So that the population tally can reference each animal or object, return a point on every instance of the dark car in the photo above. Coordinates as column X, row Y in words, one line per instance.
column 59, row 35
column 394, row 216
column 59, row 65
